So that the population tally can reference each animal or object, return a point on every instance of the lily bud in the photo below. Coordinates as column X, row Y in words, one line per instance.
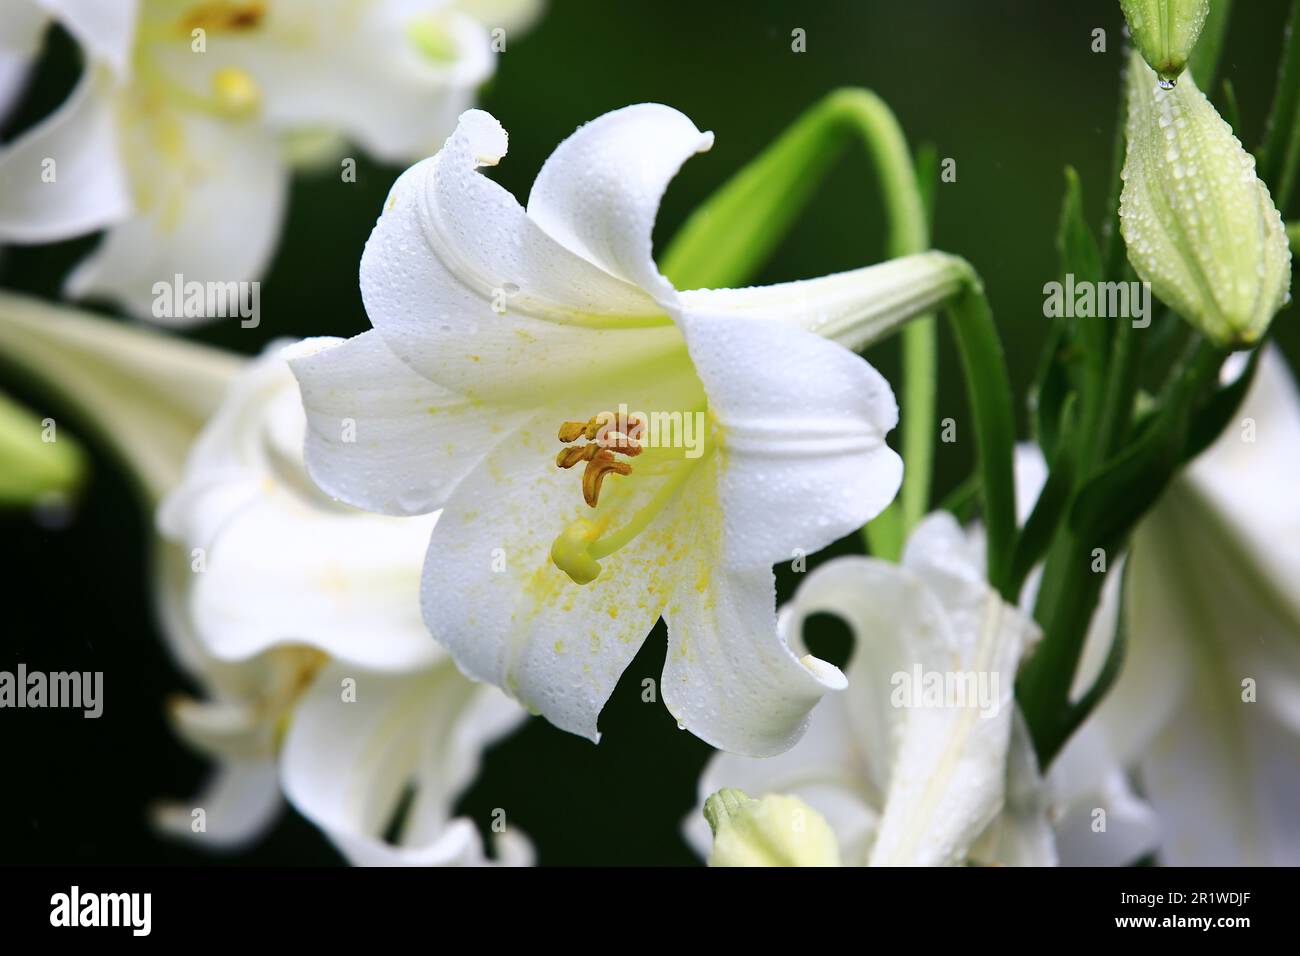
column 1199, row 224
column 773, row 831
column 37, row 463
column 1165, row 32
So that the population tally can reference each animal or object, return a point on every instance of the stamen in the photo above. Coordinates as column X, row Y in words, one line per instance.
column 600, row 465
column 599, row 456
column 224, row 16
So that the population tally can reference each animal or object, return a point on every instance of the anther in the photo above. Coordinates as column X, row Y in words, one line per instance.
column 601, row 464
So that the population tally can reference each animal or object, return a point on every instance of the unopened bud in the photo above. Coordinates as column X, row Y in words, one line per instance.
column 773, row 831
column 1199, row 224
column 1165, row 32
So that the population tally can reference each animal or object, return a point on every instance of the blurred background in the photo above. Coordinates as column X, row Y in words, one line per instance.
column 1008, row 88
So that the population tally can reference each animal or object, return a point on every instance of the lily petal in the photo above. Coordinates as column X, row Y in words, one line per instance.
column 855, row 309
column 948, row 775
column 801, row 424
column 558, row 322
column 1100, row 820
column 1021, row 835
column 240, row 802
column 346, row 765
column 1245, row 485
column 105, row 30
column 20, row 43
column 280, row 563
column 729, row 675
column 88, row 189
column 510, row 15
column 599, row 192
column 1224, row 778
column 209, row 200
column 412, row 441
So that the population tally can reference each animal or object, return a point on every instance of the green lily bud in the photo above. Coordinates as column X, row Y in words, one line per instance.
column 36, row 461
column 1199, row 224
column 1165, row 32
column 773, row 831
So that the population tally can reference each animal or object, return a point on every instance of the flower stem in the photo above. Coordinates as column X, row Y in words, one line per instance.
column 1072, row 581
column 728, row 238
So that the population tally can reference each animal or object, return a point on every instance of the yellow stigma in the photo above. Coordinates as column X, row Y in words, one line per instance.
column 571, row 551
column 599, row 456
column 236, row 91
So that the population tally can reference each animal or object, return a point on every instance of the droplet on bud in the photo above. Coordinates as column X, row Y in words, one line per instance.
column 1165, row 32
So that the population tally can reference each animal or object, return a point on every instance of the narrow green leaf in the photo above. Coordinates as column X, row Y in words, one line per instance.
column 1110, row 669
column 1204, row 61
column 1053, row 502
column 1278, row 153
column 989, row 395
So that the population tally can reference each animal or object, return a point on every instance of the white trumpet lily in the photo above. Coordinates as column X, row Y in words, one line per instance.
column 905, row 772
column 723, row 432
column 312, row 607
column 174, row 138
column 297, row 617
column 1207, row 707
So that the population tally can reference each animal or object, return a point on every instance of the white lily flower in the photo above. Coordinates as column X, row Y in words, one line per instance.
column 174, row 139
column 270, row 595
column 904, row 778
column 304, row 615
column 1207, row 706
column 503, row 334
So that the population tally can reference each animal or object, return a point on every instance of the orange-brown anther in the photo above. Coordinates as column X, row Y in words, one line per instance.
column 621, row 443
column 224, row 16
column 601, row 464
column 599, row 454
column 572, row 431
column 568, row 457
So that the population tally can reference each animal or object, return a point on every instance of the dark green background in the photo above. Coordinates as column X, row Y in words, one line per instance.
column 1008, row 88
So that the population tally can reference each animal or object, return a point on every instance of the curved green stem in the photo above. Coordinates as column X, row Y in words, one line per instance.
column 728, row 238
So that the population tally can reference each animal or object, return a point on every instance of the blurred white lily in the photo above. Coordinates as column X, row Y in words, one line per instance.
column 174, row 139
column 297, row 617
column 904, row 778
column 503, row 336
column 312, row 608
column 1207, row 706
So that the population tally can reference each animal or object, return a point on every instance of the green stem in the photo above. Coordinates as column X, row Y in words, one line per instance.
column 1120, row 392
column 1071, row 588
column 727, row 239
